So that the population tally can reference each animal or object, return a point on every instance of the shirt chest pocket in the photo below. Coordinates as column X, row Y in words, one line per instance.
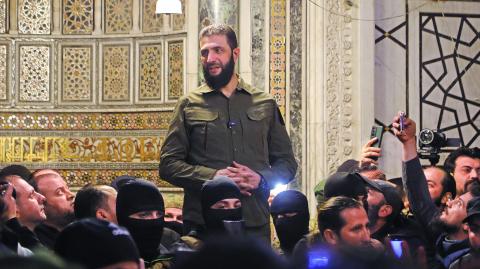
column 200, row 122
column 257, row 125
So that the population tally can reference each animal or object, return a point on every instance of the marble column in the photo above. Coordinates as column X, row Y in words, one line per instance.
column 339, row 73
column 219, row 11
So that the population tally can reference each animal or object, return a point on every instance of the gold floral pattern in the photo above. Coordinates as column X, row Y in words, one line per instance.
column 116, row 73
column 34, row 82
column 278, row 51
column 34, row 16
column 151, row 22
column 175, row 69
column 3, row 16
column 118, row 16
column 151, row 72
column 77, row 16
column 178, row 20
column 76, row 75
column 3, row 72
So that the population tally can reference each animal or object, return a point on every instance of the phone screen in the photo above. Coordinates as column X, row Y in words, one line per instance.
column 318, row 259
column 397, row 247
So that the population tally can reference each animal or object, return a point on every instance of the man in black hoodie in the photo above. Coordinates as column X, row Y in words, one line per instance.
column 140, row 209
column 290, row 216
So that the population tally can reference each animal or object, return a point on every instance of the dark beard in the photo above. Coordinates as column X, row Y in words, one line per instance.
column 439, row 226
column 219, row 81
column 373, row 213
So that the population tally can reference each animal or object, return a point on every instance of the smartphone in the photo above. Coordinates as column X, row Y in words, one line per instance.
column 402, row 121
column 377, row 131
column 318, row 259
column 396, row 244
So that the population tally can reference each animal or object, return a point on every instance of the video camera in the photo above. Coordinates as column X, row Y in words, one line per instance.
column 432, row 143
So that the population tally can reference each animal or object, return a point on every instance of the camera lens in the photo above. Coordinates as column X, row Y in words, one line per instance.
column 432, row 138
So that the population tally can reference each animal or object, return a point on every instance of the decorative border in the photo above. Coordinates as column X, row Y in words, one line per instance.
column 339, row 83
column 8, row 80
column 79, row 121
column 278, row 53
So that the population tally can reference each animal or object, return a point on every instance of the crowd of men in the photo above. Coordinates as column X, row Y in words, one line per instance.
column 227, row 147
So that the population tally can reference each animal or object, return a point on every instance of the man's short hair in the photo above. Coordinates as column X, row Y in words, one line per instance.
column 448, row 181
column 329, row 213
column 220, row 29
column 88, row 200
column 449, row 163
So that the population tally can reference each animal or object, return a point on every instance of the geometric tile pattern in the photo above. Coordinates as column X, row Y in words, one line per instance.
column 175, row 69
column 84, row 121
column 3, row 72
column 34, row 16
column 116, row 73
column 34, row 80
column 77, row 16
column 118, row 16
column 151, row 72
column 151, row 22
column 76, row 73
column 450, row 64
column 278, row 51
column 178, row 20
column 3, row 16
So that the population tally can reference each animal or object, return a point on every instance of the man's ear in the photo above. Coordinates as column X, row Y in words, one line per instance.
column 446, row 197
column 385, row 211
column 102, row 214
column 236, row 54
column 330, row 236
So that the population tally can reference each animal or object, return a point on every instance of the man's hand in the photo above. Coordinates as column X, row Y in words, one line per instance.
column 245, row 178
column 407, row 136
column 6, row 191
column 368, row 152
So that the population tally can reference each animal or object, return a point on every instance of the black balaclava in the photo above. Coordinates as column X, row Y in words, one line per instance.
column 175, row 225
column 138, row 196
column 215, row 190
column 290, row 229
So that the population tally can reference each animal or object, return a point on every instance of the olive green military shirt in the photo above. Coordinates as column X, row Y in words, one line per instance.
column 209, row 131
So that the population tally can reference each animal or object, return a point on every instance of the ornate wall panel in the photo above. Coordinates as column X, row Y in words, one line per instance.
column 34, row 73
column 77, row 16
column 118, row 16
column 4, row 74
column 34, row 16
column 450, row 64
column 258, row 43
column 295, row 89
column 151, row 22
column 178, row 20
column 150, row 77
column 176, row 81
column 3, row 16
column 278, row 51
column 116, row 73
column 77, row 74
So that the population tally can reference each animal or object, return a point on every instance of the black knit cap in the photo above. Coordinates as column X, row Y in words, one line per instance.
column 289, row 201
column 473, row 208
column 136, row 196
column 16, row 169
column 217, row 189
column 96, row 243
column 119, row 181
column 345, row 184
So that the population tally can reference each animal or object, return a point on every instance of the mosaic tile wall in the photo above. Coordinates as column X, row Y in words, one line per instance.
column 86, row 96
column 278, row 51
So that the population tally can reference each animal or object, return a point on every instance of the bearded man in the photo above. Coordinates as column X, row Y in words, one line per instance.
column 227, row 128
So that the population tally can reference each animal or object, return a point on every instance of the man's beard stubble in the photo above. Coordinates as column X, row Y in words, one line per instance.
column 219, row 81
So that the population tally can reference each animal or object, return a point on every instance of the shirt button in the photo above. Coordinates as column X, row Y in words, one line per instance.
column 233, row 132
column 235, row 149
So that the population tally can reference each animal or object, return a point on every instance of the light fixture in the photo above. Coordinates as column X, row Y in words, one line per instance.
column 168, row 7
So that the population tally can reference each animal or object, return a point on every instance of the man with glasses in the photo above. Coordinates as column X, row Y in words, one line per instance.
column 444, row 228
